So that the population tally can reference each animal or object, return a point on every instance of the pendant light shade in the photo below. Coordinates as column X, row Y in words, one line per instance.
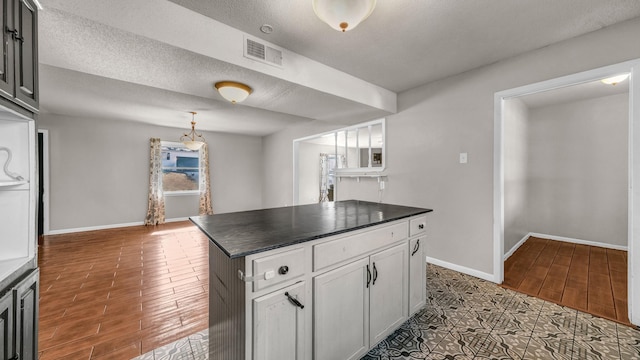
column 343, row 15
column 233, row 91
column 189, row 139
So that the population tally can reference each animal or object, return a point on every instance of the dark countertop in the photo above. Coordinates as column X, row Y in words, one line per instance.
column 244, row 233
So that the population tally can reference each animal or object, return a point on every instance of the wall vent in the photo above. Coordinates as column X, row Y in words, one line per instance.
column 255, row 50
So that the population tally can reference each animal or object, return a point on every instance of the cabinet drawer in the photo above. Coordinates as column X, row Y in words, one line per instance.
column 334, row 252
column 284, row 266
column 417, row 225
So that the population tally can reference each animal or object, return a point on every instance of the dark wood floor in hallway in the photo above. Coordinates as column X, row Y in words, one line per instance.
column 588, row 278
column 118, row 293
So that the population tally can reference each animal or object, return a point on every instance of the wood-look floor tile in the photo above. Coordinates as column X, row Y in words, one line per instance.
column 606, row 310
column 575, row 298
column 550, row 294
column 622, row 314
column 120, row 287
column 115, row 307
column 582, row 277
column 69, row 332
column 131, row 324
column 123, row 352
column 111, row 345
column 67, row 353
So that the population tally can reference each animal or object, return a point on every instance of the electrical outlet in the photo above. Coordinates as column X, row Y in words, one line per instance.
column 382, row 184
column 463, row 158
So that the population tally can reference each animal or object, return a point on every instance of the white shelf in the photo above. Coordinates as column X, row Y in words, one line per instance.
column 18, row 198
column 4, row 183
column 380, row 177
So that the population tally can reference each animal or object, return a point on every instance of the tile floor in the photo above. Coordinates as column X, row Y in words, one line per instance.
column 123, row 292
column 469, row 318
column 587, row 278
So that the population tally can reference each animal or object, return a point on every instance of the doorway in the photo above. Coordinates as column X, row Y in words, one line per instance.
column 43, row 183
column 633, row 194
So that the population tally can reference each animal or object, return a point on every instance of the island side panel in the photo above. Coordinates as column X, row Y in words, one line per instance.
column 226, row 306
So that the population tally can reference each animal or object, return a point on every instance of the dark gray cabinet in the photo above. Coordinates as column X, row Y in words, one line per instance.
column 6, row 326
column 19, row 319
column 6, row 70
column 19, row 67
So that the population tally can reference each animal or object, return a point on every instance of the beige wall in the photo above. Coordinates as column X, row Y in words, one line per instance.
column 516, row 148
column 566, row 170
column 578, row 170
column 99, row 172
column 277, row 184
column 436, row 122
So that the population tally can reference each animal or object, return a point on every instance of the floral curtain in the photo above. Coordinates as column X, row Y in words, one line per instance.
column 155, row 210
column 205, row 182
column 324, row 178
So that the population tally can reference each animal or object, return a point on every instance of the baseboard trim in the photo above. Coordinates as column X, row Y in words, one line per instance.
column 579, row 241
column 516, row 246
column 104, row 227
column 564, row 239
column 462, row 269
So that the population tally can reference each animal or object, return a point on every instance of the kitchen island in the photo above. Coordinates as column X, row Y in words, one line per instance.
column 321, row 281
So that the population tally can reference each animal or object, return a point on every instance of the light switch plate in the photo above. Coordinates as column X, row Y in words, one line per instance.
column 463, row 158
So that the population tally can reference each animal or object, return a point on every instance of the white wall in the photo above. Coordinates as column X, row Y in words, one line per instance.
column 309, row 171
column 437, row 121
column 277, row 185
column 578, row 170
column 99, row 172
column 516, row 148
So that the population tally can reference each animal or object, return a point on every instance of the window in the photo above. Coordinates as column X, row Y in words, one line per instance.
column 180, row 169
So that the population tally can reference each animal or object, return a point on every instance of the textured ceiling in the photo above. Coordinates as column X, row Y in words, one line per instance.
column 93, row 65
column 407, row 43
column 584, row 91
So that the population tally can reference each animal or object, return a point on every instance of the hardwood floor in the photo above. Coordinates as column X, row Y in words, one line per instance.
column 588, row 278
column 119, row 293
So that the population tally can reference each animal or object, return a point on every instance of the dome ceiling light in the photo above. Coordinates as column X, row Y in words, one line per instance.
column 343, row 15
column 234, row 92
column 615, row 79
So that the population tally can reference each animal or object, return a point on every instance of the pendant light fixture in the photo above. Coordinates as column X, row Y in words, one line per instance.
column 189, row 139
column 233, row 91
column 343, row 15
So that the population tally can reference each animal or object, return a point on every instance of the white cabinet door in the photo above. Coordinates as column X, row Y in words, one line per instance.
column 417, row 275
column 278, row 324
column 341, row 312
column 388, row 292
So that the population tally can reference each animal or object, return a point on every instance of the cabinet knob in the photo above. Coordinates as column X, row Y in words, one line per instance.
column 421, row 226
column 283, row 270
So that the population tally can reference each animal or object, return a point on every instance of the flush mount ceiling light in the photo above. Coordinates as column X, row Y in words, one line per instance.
column 615, row 79
column 343, row 15
column 233, row 91
column 266, row 28
column 189, row 139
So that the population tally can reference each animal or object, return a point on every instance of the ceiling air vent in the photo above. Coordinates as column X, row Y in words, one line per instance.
column 256, row 50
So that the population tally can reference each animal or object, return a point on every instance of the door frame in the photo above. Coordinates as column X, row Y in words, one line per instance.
column 633, row 234
column 45, row 181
